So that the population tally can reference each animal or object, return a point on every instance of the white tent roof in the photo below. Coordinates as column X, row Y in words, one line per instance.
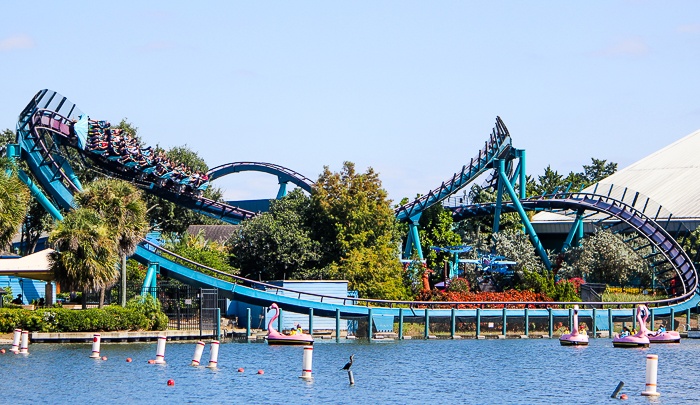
column 669, row 177
column 34, row 266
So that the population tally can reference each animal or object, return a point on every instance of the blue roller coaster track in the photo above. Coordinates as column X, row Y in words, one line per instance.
column 49, row 140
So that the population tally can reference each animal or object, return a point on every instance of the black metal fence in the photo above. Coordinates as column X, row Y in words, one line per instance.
column 187, row 307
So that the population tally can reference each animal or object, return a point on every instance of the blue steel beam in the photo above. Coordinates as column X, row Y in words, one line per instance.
column 572, row 232
column 525, row 220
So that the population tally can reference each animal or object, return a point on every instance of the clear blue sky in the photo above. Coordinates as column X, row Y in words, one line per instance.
column 409, row 88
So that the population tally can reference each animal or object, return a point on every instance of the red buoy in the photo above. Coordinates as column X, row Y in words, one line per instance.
column 151, row 361
column 128, row 359
column 240, row 370
column 2, row 351
column 104, row 357
column 261, row 372
column 623, row 396
column 171, row 382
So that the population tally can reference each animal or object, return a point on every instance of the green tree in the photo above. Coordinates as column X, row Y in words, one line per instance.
column 172, row 218
column 549, row 182
column 86, row 255
column 355, row 224
column 14, row 198
column 199, row 250
column 124, row 213
column 436, row 230
column 598, row 170
column 605, row 258
column 277, row 244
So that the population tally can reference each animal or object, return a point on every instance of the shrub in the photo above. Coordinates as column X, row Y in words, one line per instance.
column 458, row 285
column 137, row 315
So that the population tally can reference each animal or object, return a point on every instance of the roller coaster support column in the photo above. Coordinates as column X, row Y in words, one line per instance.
column 499, row 201
column 13, row 152
column 523, row 215
column 413, row 239
column 573, row 232
column 283, row 189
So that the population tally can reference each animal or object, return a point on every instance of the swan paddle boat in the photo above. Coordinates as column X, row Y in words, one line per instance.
column 668, row 336
column 574, row 338
column 639, row 339
column 276, row 338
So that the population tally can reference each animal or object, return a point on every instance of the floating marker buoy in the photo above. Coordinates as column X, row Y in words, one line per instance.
column 198, row 350
column 213, row 354
column 128, row 359
column 2, row 351
column 160, row 350
column 623, row 396
column 306, row 362
column 24, row 346
column 261, row 372
column 104, row 357
column 652, row 364
column 240, row 370
column 171, row 382
column 96, row 339
column 151, row 361
column 15, row 340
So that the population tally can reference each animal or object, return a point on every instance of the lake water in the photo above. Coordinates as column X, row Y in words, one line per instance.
column 535, row 371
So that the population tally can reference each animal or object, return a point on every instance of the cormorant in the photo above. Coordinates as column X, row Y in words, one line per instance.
column 347, row 366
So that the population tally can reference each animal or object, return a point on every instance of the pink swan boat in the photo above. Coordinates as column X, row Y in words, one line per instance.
column 669, row 336
column 574, row 338
column 639, row 339
column 276, row 338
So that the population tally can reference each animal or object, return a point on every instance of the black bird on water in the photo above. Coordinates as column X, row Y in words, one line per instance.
column 347, row 366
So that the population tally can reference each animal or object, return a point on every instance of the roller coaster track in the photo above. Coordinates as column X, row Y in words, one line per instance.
column 617, row 212
column 497, row 147
column 283, row 174
column 46, row 133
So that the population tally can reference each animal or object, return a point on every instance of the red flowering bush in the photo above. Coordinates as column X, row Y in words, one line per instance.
column 495, row 297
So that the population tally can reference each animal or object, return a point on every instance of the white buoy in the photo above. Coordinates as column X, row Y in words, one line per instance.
column 15, row 340
column 198, row 350
column 96, row 338
column 160, row 350
column 307, row 362
column 213, row 354
column 24, row 346
column 652, row 364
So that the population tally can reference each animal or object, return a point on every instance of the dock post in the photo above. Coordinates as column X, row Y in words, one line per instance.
column 672, row 323
column 400, row 323
column 452, row 324
column 247, row 324
column 651, row 315
column 427, row 323
column 551, row 323
column 369, row 324
column 218, row 323
column 337, row 324
column 687, row 319
column 478, row 322
column 527, row 322
column 311, row 322
column 611, row 325
column 634, row 319
column 505, row 312
column 593, row 323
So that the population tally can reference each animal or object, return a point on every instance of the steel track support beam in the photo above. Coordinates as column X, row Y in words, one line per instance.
column 499, row 197
column 413, row 240
column 282, row 190
column 573, row 231
column 13, row 152
column 523, row 217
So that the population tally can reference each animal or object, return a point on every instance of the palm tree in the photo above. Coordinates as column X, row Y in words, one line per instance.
column 85, row 257
column 124, row 213
column 14, row 200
